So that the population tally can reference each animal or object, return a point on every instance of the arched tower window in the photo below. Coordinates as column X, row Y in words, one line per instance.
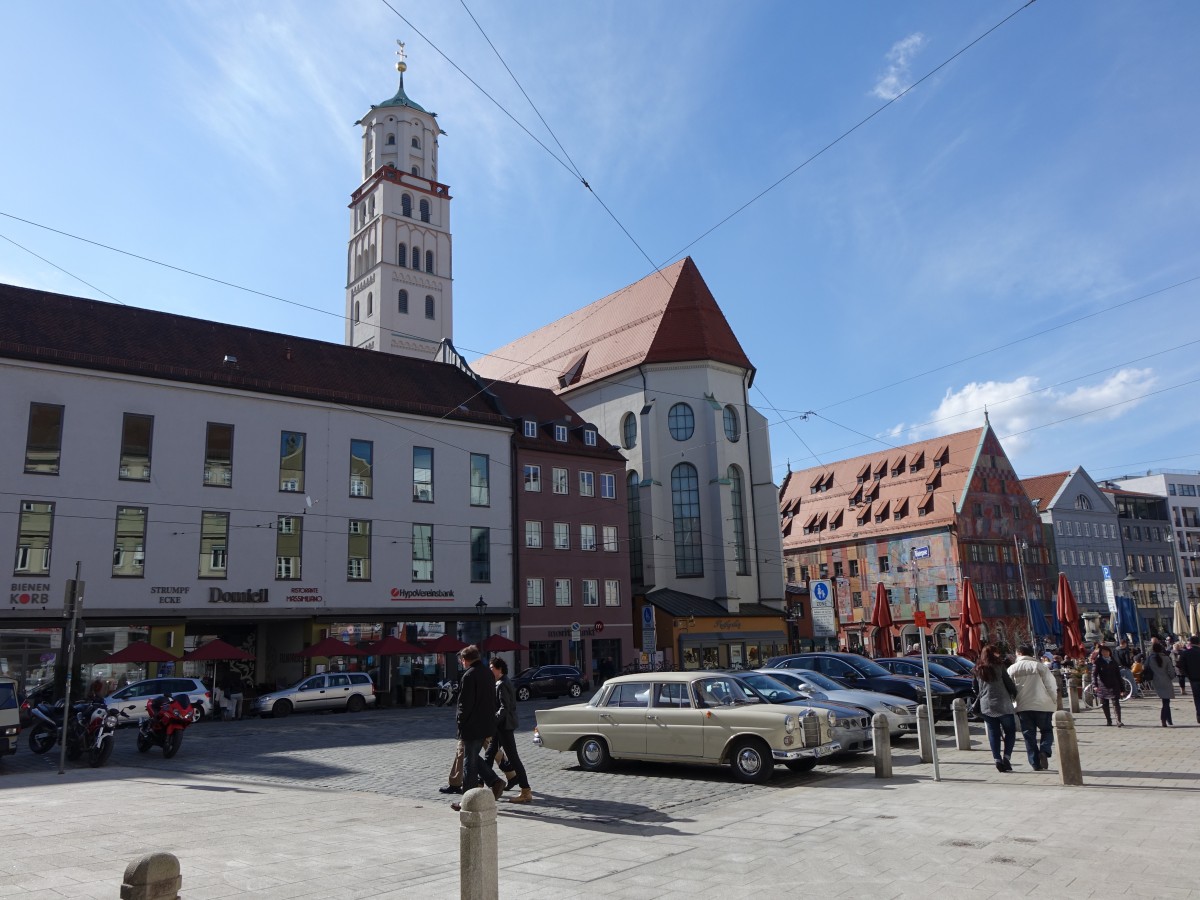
column 681, row 421
column 402, row 302
column 416, row 143
column 371, row 207
column 406, row 205
column 355, row 312
column 428, row 260
column 391, row 140
column 424, row 210
column 733, row 428
column 685, row 512
column 370, row 303
column 402, row 254
column 416, row 170
column 428, row 306
column 629, row 431
column 633, row 499
column 416, row 258
column 737, row 497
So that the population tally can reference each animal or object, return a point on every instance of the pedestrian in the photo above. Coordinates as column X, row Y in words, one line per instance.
column 996, row 690
column 1162, row 678
column 1176, row 652
column 454, row 780
column 1189, row 666
column 1124, row 658
column 1107, row 683
column 1036, row 703
column 234, row 694
column 506, row 726
column 476, row 720
column 95, row 693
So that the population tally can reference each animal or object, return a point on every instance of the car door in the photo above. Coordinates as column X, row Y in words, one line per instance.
column 674, row 726
column 132, row 700
column 310, row 694
column 622, row 720
column 337, row 691
column 542, row 683
column 839, row 671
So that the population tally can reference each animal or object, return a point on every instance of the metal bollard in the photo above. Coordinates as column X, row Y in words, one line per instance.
column 1067, row 745
column 1072, row 696
column 154, row 876
column 478, row 851
column 924, row 734
column 962, row 730
column 882, row 733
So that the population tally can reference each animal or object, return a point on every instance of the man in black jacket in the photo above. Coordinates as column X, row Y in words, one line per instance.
column 1189, row 665
column 476, row 722
column 1124, row 658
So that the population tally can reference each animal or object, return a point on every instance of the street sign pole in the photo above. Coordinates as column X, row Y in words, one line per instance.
column 921, row 622
column 72, row 600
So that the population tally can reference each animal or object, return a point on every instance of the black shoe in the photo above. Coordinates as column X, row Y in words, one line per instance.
column 1007, row 766
column 511, row 783
column 1000, row 765
column 1042, row 764
column 451, row 789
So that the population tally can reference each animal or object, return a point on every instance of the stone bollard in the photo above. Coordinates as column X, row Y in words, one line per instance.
column 924, row 734
column 154, row 876
column 478, row 851
column 962, row 731
column 1058, row 695
column 1067, row 745
column 883, row 745
column 1072, row 697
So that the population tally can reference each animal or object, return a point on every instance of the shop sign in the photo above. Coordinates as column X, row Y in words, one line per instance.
column 216, row 595
column 29, row 593
column 729, row 625
column 169, row 595
column 571, row 633
column 304, row 595
column 422, row 594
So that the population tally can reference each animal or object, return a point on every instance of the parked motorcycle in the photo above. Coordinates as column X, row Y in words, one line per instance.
column 90, row 729
column 447, row 693
column 166, row 720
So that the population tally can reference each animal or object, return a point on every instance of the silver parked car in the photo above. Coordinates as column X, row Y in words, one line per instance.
column 901, row 714
column 132, row 699
column 351, row 691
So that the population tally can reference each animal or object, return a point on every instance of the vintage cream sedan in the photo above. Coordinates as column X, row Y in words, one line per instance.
column 687, row 717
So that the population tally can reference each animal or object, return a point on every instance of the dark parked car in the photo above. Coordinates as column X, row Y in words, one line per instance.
column 859, row 673
column 962, row 686
column 960, row 665
column 549, row 681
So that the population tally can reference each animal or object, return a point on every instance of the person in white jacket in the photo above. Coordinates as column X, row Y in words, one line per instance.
column 1037, row 698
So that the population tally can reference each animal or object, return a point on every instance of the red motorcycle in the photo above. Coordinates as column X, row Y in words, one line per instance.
column 168, row 717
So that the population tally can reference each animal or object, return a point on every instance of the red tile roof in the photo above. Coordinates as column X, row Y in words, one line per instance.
column 521, row 401
column 1043, row 488
column 669, row 316
column 88, row 334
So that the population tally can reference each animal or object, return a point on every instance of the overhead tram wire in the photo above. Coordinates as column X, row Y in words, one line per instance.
column 64, row 271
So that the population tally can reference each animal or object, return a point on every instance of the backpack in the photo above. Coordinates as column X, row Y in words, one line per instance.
column 1136, row 670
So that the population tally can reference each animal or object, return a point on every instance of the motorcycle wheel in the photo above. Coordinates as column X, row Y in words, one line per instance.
column 98, row 756
column 144, row 742
column 172, row 744
column 41, row 739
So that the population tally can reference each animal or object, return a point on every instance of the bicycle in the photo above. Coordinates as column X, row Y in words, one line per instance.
column 1089, row 693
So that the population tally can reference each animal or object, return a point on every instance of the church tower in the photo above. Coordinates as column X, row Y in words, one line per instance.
column 398, row 262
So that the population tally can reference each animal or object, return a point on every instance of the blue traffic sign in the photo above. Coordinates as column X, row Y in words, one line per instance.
column 821, row 591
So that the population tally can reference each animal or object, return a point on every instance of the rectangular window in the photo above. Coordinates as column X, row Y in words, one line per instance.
column 533, row 534
column 423, row 474
column 422, row 552
column 560, row 433
column 136, row 433
column 856, row 599
column 589, row 437
column 591, row 592
column 608, row 486
column 530, row 429
column 362, row 456
column 288, row 535
column 481, row 494
column 884, row 564
column 34, row 530
column 587, row 484
column 43, row 441
column 533, row 592
column 612, row 592
column 559, row 477
column 609, row 538
column 481, row 554
column 291, row 461
column 218, row 455
column 562, row 536
column 533, row 478
column 853, row 567
column 214, row 544
column 587, row 537
column 943, row 593
column 129, row 545
column 358, row 550
column 837, row 568
column 562, row 592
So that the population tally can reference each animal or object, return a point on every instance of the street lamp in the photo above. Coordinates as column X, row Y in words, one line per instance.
column 1021, row 546
column 481, row 608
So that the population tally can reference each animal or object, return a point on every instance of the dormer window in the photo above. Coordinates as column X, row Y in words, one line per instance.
column 589, row 437
column 560, row 433
column 530, row 428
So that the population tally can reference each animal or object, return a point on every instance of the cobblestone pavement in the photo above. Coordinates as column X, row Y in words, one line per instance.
column 341, row 805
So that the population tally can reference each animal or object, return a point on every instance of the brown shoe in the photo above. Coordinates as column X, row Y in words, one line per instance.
column 498, row 789
column 526, row 796
column 457, row 807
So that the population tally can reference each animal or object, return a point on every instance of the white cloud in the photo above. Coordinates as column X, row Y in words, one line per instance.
column 1017, row 406
column 896, row 78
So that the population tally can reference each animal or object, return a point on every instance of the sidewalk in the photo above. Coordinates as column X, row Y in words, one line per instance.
column 979, row 832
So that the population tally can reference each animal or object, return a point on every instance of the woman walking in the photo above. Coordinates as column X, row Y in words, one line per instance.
column 996, row 691
column 1107, row 683
column 1162, row 678
column 506, row 725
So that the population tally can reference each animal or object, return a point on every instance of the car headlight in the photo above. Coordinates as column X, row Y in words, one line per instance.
column 833, row 719
column 897, row 710
column 789, row 724
column 8, row 732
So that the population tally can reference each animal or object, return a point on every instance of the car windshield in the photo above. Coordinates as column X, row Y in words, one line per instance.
column 8, row 695
column 723, row 690
column 869, row 668
column 942, row 671
column 527, row 673
column 771, row 689
column 819, row 681
column 958, row 664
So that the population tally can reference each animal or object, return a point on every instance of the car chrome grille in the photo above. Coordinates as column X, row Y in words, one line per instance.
column 911, row 709
column 812, row 731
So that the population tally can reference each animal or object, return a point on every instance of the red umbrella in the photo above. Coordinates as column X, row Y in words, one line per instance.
column 497, row 642
column 217, row 650
column 970, row 618
column 331, row 646
column 881, row 618
column 393, row 646
column 1068, row 615
column 140, row 652
column 445, row 644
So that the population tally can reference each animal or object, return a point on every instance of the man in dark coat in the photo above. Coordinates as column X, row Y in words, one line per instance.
column 1189, row 665
column 476, row 721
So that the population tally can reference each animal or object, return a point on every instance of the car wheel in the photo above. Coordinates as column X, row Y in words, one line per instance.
column 801, row 765
column 281, row 709
column 592, row 753
column 522, row 693
column 751, row 761
column 356, row 703
column 576, row 690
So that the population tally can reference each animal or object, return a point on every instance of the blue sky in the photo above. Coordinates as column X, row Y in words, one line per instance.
column 1045, row 175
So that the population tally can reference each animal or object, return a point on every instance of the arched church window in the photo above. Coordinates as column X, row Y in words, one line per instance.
column 402, row 302
column 428, row 306
column 370, row 303
column 355, row 312
column 371, row 207
column 416, row 142
column 429, row 261
column 424, row 210
column 402, row 254
column 406, row 205
column 391, row 140
column 416, row 258
column 416, row 170
column 1082, row 502
column 629, row 431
